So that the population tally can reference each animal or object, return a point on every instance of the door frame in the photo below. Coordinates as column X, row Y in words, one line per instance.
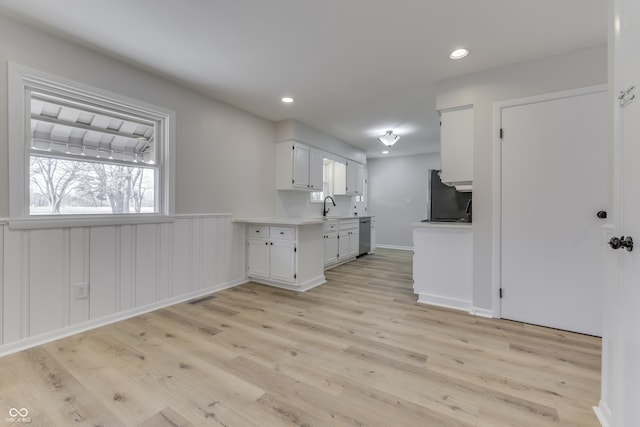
column 496, row 268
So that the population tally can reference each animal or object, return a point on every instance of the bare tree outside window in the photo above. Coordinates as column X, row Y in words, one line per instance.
column 54, row 179
column 74, row 187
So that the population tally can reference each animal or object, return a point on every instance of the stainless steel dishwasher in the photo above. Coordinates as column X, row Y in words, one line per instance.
column 365, row 236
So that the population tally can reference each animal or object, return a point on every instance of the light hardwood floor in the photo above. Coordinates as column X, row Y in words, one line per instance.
column 356, row 351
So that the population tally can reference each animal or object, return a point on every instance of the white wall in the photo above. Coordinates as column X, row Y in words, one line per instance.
column 225, row 159
column 398, row 192
column 574, row 70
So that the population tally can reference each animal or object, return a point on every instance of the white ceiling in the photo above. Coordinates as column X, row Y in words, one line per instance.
column 355, row 67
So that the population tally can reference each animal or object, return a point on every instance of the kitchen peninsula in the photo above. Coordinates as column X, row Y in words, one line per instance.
column 285, row 252
column 443, row 263
column 293, row 252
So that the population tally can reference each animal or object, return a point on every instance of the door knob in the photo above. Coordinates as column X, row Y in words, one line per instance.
column 602, row 214
column 614, row 242
column 627, row 243
column 621, row 242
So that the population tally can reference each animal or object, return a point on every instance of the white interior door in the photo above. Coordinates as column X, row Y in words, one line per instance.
column 621, row 343
column 554, row 181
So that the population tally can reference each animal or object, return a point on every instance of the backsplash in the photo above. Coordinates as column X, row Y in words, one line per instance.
column 293, row 204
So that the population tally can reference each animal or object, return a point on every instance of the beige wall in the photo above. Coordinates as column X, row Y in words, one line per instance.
column 225, row 158
column 551, row 74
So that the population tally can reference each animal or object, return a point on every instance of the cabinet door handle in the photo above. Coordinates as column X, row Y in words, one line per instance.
column 266, row 243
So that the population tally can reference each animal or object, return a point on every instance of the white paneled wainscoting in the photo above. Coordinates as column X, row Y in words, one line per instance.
column 129, row 269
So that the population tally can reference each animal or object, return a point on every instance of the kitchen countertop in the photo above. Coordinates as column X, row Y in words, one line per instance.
column 295, row 220
column 280, row 220
column 458, row 225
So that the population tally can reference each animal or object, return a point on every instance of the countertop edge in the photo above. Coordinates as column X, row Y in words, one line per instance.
column 279, row 221
column 456, row 225
column 295, row 221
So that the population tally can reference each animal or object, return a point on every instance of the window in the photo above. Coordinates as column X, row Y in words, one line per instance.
column 79, row 152
column 327, row 182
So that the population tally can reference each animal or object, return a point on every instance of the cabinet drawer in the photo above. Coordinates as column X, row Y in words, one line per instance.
column 258, row 231
column 349, row 224
column 330, row 226
column 283, row 233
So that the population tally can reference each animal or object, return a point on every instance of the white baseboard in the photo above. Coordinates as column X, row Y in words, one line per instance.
column 481, row 312
column 303, row 287
column 400, row 248
column 446, row 302
column 36, row 340
column 339, row 263
column 603, row 413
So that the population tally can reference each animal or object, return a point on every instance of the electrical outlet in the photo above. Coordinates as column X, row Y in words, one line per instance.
column 82, row 290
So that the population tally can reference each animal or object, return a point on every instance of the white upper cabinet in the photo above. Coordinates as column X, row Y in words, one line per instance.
column 339, row 177
column 456, row 146
column 348, row 178
column 355, row 178
column 299, row 167
column 316, row 158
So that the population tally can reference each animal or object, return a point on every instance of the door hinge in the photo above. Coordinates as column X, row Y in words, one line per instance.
column 501, row 133
column 500, row 292
column 626, row 96
column 295, row 249
column 293, row 147
column 295, row 276
column 292, row 181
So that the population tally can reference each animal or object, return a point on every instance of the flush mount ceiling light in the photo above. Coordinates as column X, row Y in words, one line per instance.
column 385, row 152
column 287, row 100
column 389, row 138
column 459, row 53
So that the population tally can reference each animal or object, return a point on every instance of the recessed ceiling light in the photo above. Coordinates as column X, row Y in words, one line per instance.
column 385, row 152
column 459, row 53
column 287, row 99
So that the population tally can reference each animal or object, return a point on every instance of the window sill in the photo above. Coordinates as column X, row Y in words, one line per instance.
column 85, row 221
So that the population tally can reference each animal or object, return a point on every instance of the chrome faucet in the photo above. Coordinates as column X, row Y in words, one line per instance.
column 325, row 211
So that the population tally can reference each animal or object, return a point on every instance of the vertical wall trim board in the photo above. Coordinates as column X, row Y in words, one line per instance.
column 158, row 270
column 26, row 284
column 66, row 244
column 130, row 269
column 2, row 297
column 191, row 286
column 117, row 256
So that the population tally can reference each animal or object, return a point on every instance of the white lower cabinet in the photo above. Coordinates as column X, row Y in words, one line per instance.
column 282, row 260
column 285, row 256
column 330, row 248
column 272, row 254
column 349, row 238
column 330, row 237
column 258, row 256
column 341, row 242
column 348, row 244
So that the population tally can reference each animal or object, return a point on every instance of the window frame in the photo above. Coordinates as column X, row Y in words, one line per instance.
column 20, row 83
